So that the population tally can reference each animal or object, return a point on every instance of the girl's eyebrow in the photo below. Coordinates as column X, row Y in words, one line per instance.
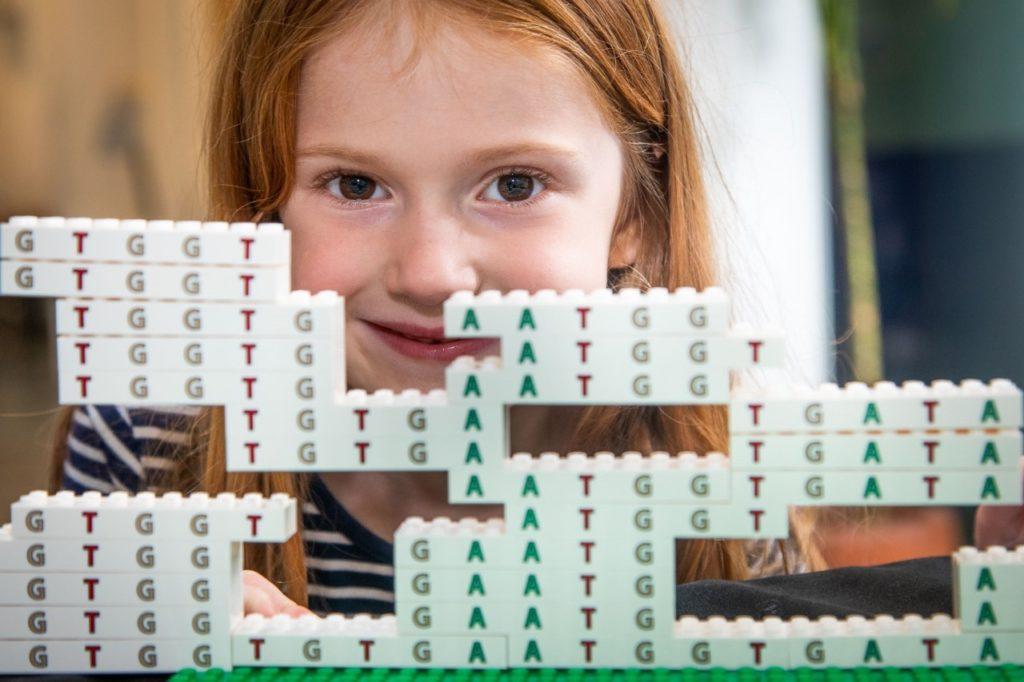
column 489, row 154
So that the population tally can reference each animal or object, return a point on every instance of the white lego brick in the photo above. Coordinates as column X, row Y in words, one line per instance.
column 826, row 642
column 475, row 484
column 443, row 542
column 469, row 381
column 360, row 641
column 899, row 450
column 655, row 312
column 297, row 315
column 115, row 622
column 410, row 431
column 119, row 589
column 354, row 415
column 659, row 478
column 140, row 241
column 75, row 353
column 564, row 650
column 327, row 451
column 120, row 280
column 740, row 520
column 908, row 641
column 114, row 656
column 885, row 406
column 980, row 612
column 616, row 384
column 614, row 617
column 113, row 556
column 471, row 544
column 198, row 387
column 606, row 520
column 499, row 585
column 888, row 642
column 653, row 354
column 645, row 523
column 988, row 588
column 993, row 570
column 720, row 643
column 879, row 488
column 172, row 516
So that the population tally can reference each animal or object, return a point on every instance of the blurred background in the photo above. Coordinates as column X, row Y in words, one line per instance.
column 865, row 160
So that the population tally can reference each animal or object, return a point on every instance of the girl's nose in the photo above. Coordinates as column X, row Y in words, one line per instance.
column 431, row 259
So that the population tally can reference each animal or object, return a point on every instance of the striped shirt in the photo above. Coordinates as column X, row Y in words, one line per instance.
column 350, row 568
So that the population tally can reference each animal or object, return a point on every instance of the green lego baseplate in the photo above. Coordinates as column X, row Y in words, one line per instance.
column 987, row 673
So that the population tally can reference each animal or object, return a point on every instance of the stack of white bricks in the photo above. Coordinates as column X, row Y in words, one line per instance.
column 657, row 347
column 124, row 583
column 943, row 444
column 581, row 572
column 988, row 588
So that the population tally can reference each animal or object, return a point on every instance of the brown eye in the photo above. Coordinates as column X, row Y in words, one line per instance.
column 515, row 187
column 356, row 187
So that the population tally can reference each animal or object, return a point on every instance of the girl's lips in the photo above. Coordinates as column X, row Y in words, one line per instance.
column 427, row 344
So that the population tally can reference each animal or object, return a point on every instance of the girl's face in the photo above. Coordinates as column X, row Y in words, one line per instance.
column 482, row 164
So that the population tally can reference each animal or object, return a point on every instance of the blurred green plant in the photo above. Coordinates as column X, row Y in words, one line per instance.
column 846, row 99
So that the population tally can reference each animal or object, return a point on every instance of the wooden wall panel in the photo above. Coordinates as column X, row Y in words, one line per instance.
column 101, row 107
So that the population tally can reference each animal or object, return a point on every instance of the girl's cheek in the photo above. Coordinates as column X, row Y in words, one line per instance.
column 336, row 263
column 552, row 259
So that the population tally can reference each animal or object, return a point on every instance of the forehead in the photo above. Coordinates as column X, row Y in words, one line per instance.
column 381, row 81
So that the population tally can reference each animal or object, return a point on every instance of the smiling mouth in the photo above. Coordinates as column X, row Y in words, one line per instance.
column 429, row 344
column 433, row 339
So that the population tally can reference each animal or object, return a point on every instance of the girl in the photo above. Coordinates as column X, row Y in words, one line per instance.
column 415, row 148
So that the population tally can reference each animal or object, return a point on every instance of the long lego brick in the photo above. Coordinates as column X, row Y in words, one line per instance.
column 578, row 650
column 660, row 478
column 330, row 451
column 114, row 622
column 128, row 556
column 468, row 543
column 360, row 641
column 145, row 241
column 297, row 315
column 469, row 380
column 198, row 387
column 887, row 642
column 606, row 520
column 114, row 656
column 642, row 522
column 503, row 585
column 384, row 431
column 622, row 617
column 356, row 415
column 898, row 450
column 141, row 354
column 121, row 280
column 736, row 350
column 882, row 407
column 656, row 312
column 120, row 589
column 880, row 488
column 172, row 516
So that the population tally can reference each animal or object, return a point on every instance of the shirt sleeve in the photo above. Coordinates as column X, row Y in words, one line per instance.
column 103, row 452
